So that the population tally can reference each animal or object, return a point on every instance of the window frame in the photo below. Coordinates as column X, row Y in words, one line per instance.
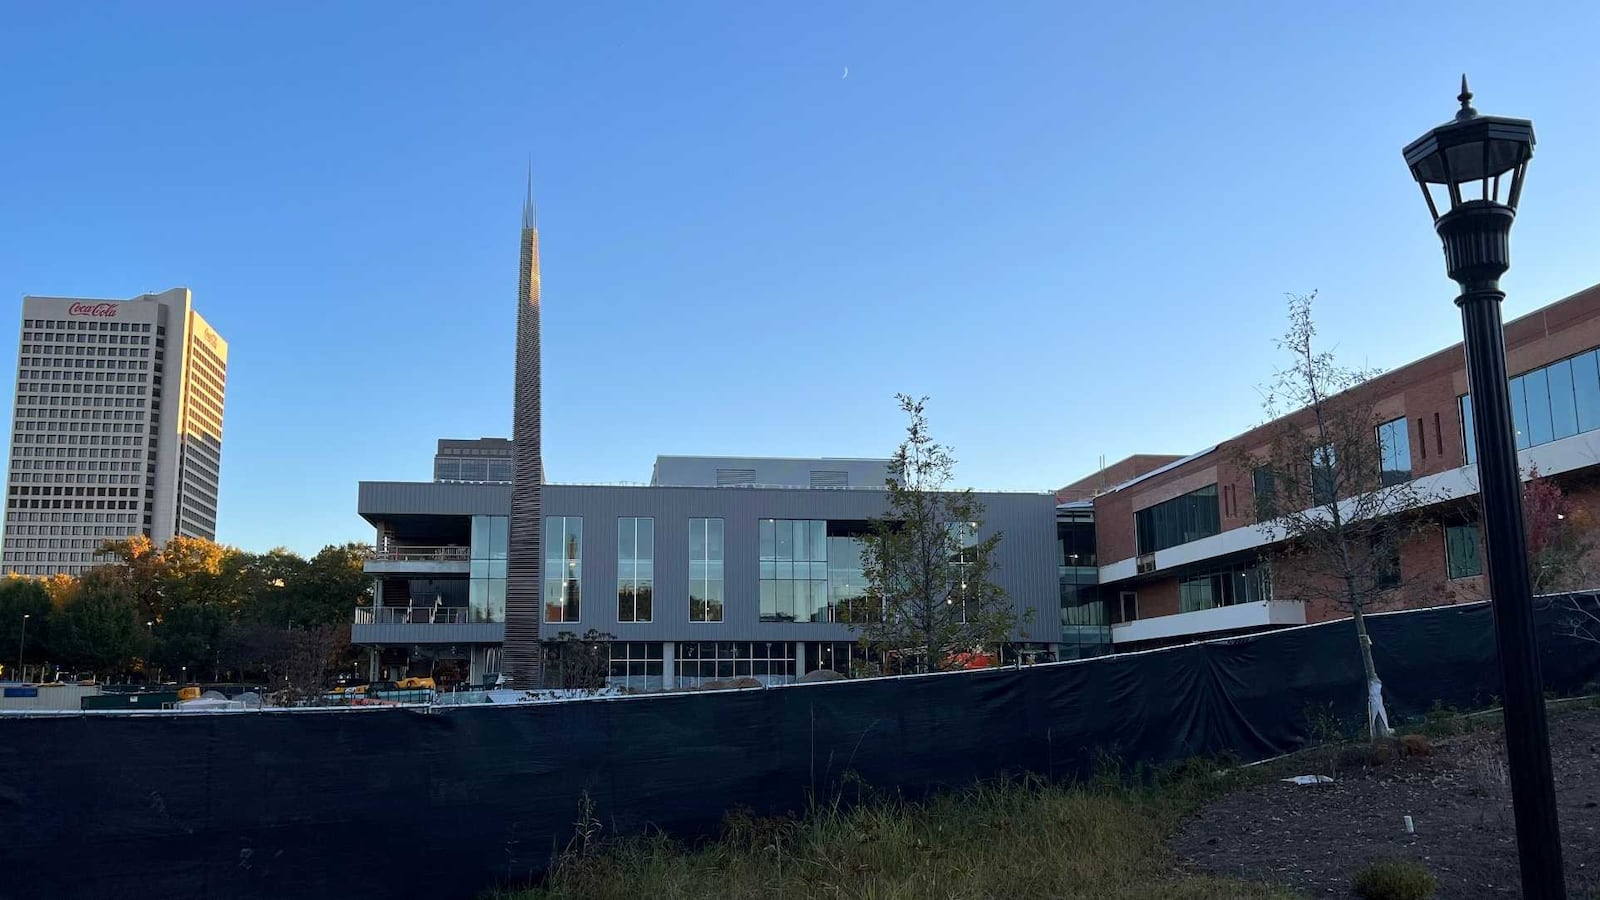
column 720, row 561
column 1450, row 562
column 634, row 561
column 573, row 563
column 1161, row 523
column 1401, row 427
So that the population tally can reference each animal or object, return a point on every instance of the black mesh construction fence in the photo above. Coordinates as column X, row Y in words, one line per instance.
column 400, row 803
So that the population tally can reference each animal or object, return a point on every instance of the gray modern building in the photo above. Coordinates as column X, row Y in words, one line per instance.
column 481, row 460
column 723, row 567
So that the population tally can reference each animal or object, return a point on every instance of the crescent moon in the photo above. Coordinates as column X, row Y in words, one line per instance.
column 846, row 73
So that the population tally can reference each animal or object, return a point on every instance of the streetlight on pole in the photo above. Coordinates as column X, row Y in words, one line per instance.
column 1461, row 166
column 22, row 642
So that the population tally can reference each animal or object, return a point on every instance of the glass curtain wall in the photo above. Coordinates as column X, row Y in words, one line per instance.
column 1085, row 620
column 794, row 570
column 1193, row 516
column 847, row 580
column 770, row 662
column 1547, row 404
column 1246, row 583
column 487, row 571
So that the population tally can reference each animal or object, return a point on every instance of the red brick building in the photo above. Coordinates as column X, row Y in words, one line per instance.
column 1179, row 548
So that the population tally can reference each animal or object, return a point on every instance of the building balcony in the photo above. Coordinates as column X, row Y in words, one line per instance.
column 422, row 625
column 1218, row 619
column 418, row 560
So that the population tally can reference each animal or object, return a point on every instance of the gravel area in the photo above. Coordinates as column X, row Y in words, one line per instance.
column 1313, row 838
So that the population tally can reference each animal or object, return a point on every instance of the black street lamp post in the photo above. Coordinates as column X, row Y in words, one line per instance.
column 1461, row 166
column 22, row 642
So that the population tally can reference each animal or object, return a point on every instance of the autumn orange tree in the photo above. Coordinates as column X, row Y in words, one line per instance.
column 195, row 604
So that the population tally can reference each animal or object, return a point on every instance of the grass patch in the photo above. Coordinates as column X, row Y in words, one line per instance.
column 1395, row 879
column 1020, row 838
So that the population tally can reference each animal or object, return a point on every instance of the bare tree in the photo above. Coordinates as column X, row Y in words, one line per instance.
column 578, row 663
column 310, row 658
column 1332, row 486
column 929, row 574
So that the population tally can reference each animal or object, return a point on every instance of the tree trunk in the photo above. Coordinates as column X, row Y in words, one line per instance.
column 1377, row 718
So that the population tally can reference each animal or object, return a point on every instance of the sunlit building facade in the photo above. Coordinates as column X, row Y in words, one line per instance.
column 117, row 429
column 1186, row 547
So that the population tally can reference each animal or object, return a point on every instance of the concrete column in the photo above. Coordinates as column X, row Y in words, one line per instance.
column 799, row 659
column 669, row 655
column 372, row 664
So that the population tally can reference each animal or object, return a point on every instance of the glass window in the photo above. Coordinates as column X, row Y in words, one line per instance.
column 1519, row 413
column 770, row 662
column 1563, row 404
column 487, row 569
column 1586, row 389
column 1386, row 564
column 1462, row 559
column 1324, row 476
column 636, row 555
column 1536, row 395
column 794, row 571
column 1074, row 542
column 1547, row 404
column 705, row 570
column 636, row 665
column 1177, row 521
column 563, row 568
column 1394, row 449
column 1266, row 494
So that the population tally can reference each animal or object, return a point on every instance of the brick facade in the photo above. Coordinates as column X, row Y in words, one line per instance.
column 1425, row 393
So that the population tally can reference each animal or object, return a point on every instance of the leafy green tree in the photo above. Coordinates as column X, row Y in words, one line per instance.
column 929, row 573
column 18, row 597
column 99, row 627
column 251, row 650
column 268, row 584
column 192, row 635
column 335, row 583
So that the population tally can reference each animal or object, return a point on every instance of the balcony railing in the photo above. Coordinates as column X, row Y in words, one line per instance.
column 413, row 615
column 399, row 553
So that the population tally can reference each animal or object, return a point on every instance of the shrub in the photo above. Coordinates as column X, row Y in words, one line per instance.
column 1394, row 879
column 1443, row 721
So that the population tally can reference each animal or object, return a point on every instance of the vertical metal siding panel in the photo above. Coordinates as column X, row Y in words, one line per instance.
column 1026, row 555
column 521, row 660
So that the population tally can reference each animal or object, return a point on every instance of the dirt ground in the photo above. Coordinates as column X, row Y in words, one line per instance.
column 1313, row 838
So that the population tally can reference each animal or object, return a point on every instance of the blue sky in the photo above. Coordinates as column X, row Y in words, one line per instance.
column 1073, row 229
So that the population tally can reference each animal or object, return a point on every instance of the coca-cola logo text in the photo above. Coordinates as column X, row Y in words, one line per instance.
column 96, row 310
